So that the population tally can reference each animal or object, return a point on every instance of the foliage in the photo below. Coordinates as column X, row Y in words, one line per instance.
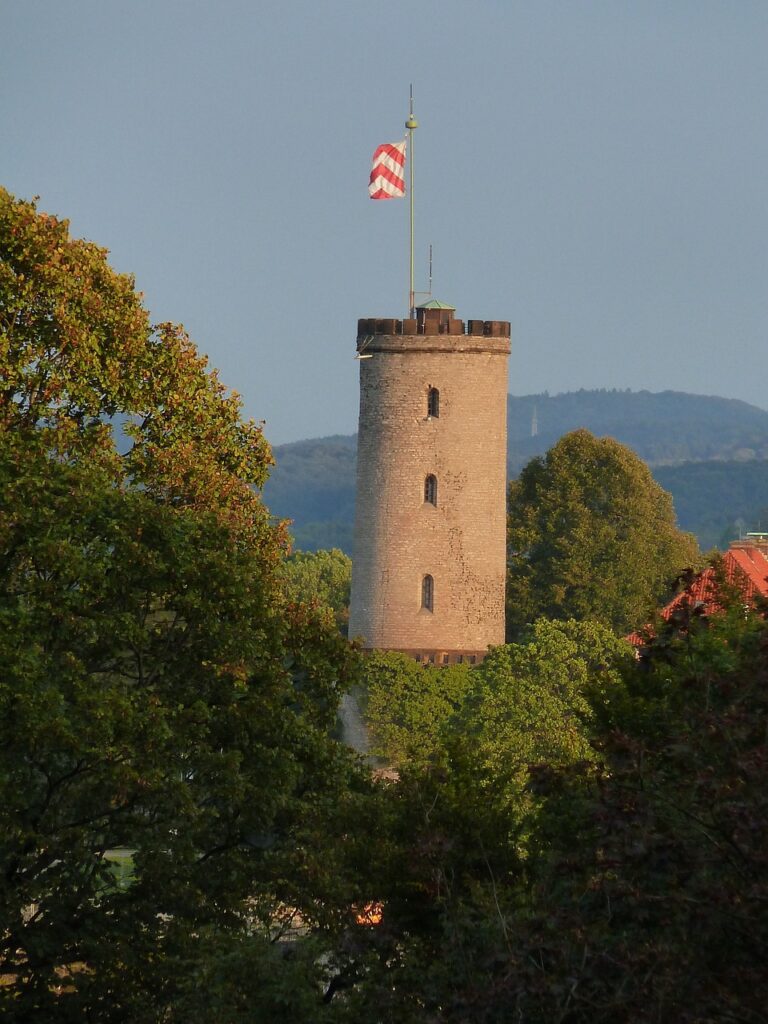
column 459, row 829
column 322, row 579
column 591, row 536
column 77, row 349
column 530, row 704
column 641, row 894
column 657, row 912
column 158, row 696
column 254, row 979
column 456, row 837
column 535, row 701
column 407, row 705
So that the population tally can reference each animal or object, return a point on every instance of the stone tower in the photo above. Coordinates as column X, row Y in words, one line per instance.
column 430, row 527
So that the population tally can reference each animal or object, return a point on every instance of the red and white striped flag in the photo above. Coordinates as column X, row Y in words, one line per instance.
column 387, row 172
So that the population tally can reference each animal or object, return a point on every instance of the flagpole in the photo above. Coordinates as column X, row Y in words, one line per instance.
column 411, row 124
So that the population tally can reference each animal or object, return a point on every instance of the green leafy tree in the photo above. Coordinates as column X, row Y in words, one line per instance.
column 408, row 705
column 639, row 893
column 591, row 536
column 533, row 702
column 646, row 901
column 158, row 696
column 456, row 856
column 540, row 698
column 77, row 349
column 322, row 579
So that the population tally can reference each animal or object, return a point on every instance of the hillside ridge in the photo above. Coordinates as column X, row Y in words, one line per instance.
column 313, row 482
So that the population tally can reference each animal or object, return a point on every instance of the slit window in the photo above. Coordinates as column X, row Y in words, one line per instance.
column 428, row 593
column 433, row 402
column 430, row 489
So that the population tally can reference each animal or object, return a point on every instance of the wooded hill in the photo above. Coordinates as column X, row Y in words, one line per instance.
column 664, row 428
column 711, row 453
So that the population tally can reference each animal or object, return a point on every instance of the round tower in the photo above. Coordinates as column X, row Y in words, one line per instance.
column 429, row 560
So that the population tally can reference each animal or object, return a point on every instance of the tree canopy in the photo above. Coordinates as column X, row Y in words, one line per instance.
column 321, row 578
column 592, row 847
column 78, row 351
column 162, row 705
column 408, row 705
column 591, row 536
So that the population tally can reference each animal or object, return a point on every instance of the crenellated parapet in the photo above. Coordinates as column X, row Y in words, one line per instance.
column 373, row 326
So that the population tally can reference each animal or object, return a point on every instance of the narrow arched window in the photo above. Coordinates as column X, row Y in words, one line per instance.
column 430, row 489
column 428, row 593
column 433, row 402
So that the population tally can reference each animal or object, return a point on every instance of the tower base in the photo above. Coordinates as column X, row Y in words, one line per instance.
column 427, row 656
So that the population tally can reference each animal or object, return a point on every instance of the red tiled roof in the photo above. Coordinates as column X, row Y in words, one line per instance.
column 753, row 564
column 745, row 567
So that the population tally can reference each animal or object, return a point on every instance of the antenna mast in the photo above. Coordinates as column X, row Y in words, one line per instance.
column 411, row 124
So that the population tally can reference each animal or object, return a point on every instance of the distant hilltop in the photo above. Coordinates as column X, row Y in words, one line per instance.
column 313, row 482
column 665, row 428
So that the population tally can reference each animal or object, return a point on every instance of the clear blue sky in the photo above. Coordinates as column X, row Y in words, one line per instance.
column 594, row 171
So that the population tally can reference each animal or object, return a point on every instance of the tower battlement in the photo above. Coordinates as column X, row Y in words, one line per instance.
column 368, row 327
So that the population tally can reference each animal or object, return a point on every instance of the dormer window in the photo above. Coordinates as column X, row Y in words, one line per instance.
column 430, row 490
column 433, row 403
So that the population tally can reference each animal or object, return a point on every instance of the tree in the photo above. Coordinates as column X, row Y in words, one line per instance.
column 78, row 351
column 591, row 536
column 320, row 578
column 649, row 895
column 535, row 702
column 456, row 860
column 638, row 891
column 539, row 702
column 158, row 695
column 408, row 706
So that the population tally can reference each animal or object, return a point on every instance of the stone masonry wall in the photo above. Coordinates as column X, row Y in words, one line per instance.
column 400, row 537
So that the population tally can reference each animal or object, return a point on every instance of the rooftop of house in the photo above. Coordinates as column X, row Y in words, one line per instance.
column 744, row 566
